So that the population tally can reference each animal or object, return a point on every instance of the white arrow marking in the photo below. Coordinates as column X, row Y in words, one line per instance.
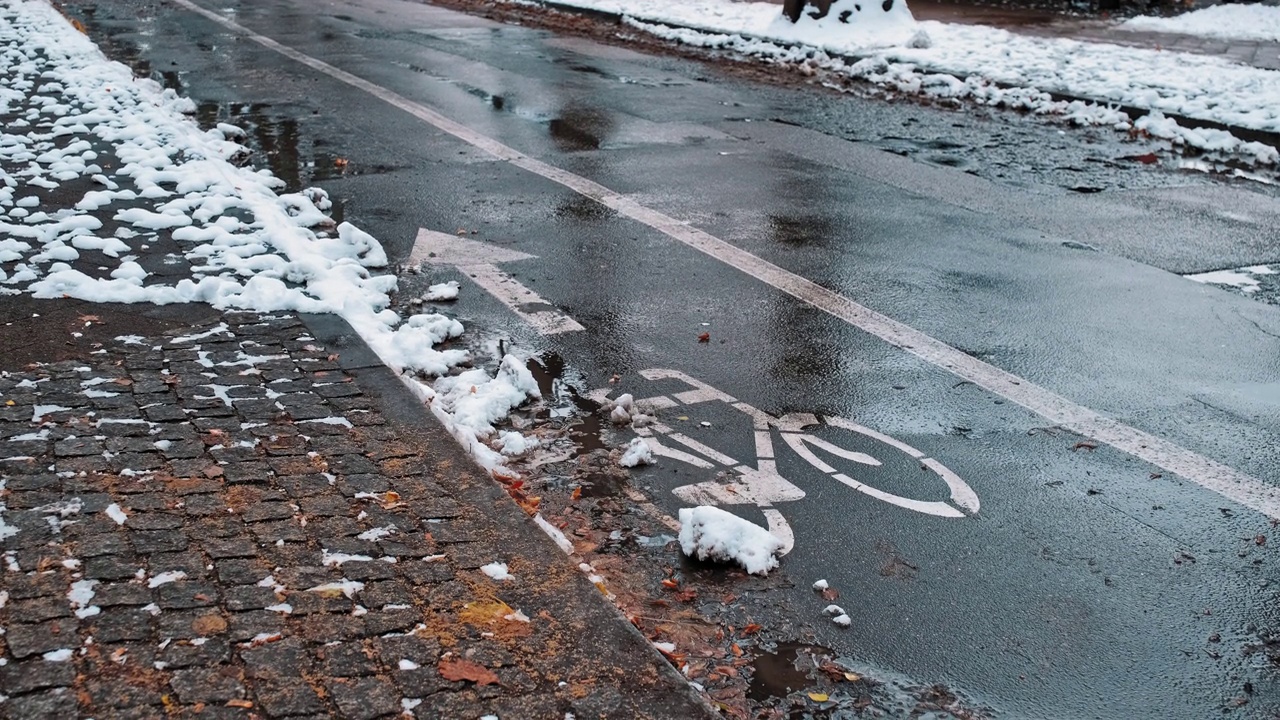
column 478, row 261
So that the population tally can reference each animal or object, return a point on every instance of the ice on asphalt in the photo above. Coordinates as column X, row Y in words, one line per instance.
column 709, row 533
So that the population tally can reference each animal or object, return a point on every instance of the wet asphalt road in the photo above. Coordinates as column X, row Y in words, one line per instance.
column 1090, row 583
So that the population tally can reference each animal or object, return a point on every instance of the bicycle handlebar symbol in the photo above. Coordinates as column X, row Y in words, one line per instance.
column 762, row 485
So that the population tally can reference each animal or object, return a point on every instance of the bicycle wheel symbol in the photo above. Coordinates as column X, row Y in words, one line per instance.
column 762, row 485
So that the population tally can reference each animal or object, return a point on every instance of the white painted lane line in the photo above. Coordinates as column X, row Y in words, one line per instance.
column 1210, row 474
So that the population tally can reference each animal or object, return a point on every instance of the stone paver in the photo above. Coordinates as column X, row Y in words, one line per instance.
column 196, row 533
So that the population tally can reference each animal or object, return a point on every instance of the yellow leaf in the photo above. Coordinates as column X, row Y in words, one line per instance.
column 819, row 697
column 8, row 402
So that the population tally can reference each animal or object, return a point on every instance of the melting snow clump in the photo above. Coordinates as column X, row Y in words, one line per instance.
column 710, row 533
column 638, row 453
column 442, row 291
column 497, row 571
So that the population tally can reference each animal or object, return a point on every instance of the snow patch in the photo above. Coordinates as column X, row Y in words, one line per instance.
column 710, row 533
column 497, row 571
column 442, row 291
column 114, row 512
column 554, row 533
column 165, row 578
column 637, row 453
column 346, row 587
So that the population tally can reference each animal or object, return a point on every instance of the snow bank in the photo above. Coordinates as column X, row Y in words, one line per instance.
column 710, row 533
column 1229, row 22
column 866, row 24
column 987, row 66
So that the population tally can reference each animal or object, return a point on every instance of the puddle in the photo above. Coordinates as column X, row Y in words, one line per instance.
column 278, row 140
column 800, row 230
column 786, row 670
column 563, row 400
column 937, row 151
column 583, row 209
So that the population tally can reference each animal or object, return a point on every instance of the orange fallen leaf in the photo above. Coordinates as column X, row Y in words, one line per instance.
column 669, row 583
column 455, row 669
column 239, row 703
column 736, row 649
column 340, row 162
column 577, row 493
column 751, row 629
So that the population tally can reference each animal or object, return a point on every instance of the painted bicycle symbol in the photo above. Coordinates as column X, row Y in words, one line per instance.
column 762, row 485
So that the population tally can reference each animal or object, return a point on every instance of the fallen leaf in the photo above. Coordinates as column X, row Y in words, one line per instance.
column 830, row 594
column 671, row 584
column 340, row 162
column 819, row 697
column 577, row 493
column 455, row 669
column 736, row 650
column 239, row 703
column 208, row 624
column 851, row 677
column 704, row 337
column 123, row 381
column 1085, row 444
column 751, row 629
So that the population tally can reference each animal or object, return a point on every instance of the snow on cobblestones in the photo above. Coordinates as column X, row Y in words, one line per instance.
column 156, row 180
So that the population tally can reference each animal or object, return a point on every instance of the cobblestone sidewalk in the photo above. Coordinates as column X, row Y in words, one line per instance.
column 223, row 523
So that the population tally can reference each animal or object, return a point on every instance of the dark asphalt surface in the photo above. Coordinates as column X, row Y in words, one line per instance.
column 1085, row 587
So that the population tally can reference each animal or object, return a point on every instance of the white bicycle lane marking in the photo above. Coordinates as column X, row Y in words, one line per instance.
column 763, row 486
column 1210, row 474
